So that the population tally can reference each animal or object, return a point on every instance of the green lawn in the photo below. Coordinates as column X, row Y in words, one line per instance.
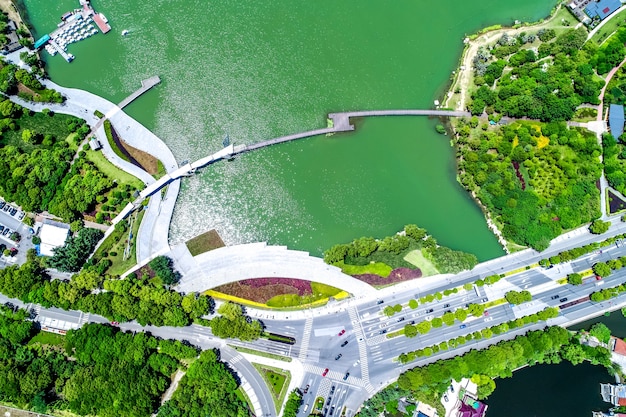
column 417, row 258
column 120, row 265
column 277, row 380
column 377, row 268
column 112, row 171
column 47, row 338
column 615, row 22
column 47, row 125
column 204, row 243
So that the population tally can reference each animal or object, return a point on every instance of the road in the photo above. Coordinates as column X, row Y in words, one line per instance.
column 368, row 360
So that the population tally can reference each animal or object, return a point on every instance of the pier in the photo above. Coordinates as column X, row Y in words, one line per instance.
column 65, row 55
column 145, row 86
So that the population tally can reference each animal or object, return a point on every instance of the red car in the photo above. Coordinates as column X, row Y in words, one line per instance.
column 115, row 323
column 325, row 372
column 486, row 313
column 341, row 333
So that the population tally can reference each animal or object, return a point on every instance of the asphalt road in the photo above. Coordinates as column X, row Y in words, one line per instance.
column 368, row 361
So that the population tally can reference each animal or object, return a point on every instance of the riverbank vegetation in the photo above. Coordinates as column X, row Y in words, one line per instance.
column 429, row 382
column 384, row 261
column 536, row 178
column 37, row 173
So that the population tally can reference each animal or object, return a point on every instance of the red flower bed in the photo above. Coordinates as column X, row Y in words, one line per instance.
column 303, row 287
column 397, row 275
column 257, row 294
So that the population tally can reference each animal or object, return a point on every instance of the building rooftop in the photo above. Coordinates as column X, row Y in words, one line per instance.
column 53, row 235
column 602, row 8
column 616, row 120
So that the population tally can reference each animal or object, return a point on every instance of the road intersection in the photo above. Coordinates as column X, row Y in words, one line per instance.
column 368, row 361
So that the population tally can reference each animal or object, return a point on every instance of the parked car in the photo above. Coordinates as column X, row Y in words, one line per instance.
column 6, row 231
column 6, row 208
column 2, row 204
column 345, row 342
column 21, row 216
column 332, row 409
column 115, row 323
column 338, row 357
column 332, row 390
column 325, row 372
column 328, row 401
column 341, row 333
column 345, row 377
column 1, row 228
column 13, row 211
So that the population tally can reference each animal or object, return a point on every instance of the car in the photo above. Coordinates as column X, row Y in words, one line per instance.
column 1, row 228
column 13, row 211
column 6, row 231
column 338, row 357
column 380, row 301
column 448, row 311
column 445, row 397
column 554, row 297
column 467, row 305
column 451, row 388
column 412, row 322
column 328, row 401
column 486, row 313
column 562, row 300
column 325, row 411
column 21, row 216
column 2, row 204
column 430, row 310
column 6, row 208
column 429, row 317
column 10, row 305
column 345, row 342
column 306, row 389
column 325, row 372
column 332, row 409
column 488, row 318
column 341, row 333
column 332, row 390
column 345, row 377
column 446, row 305
column 462, row 326
column 484, row 300
column 115, row 323
column 401, row 319
column 598, row 277
column 383, row 331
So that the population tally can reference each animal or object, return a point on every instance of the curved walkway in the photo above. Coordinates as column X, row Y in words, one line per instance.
column 153, row 232
column 257, row 260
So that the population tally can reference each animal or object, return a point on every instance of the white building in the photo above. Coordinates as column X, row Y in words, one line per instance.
column 53, row 235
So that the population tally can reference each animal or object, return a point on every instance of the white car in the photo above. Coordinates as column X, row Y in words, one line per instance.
column 488, row 318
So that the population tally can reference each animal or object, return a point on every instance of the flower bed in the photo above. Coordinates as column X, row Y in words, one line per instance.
column 261, row 290
column 397, row 275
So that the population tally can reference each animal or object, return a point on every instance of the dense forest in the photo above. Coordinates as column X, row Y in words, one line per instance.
column 98, row 370
column 537, row 178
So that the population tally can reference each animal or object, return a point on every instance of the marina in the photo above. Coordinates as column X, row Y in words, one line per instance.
column 75, row 26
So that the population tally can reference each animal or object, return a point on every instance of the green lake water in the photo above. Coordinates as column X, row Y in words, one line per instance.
column 258, row 70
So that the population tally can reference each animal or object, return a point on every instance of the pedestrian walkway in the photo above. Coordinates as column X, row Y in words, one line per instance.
column 306, row 338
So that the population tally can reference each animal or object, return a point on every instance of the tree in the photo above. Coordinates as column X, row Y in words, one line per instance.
column 601, row 332
column 601, row 269
column 423, row 327
column 575, row 278
column 410, row 330
column 598, row 227
column 163, row 267
column 73, row 255
column 293, row 404
column 413, row 304
column 476, row 310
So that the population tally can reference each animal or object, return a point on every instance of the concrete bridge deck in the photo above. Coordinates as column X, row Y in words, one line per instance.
column 145, row 86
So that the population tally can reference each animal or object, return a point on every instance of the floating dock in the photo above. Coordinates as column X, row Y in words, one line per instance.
column 65, row 55
column 102, row 22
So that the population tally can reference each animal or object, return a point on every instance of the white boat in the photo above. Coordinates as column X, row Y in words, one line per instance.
column 124, row 32
column 103, row 18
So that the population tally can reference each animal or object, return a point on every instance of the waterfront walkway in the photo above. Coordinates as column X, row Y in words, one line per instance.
column 145, row 86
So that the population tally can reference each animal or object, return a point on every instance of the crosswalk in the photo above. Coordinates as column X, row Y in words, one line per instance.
column 358, row 331
column 83, row 319
column 308, row 326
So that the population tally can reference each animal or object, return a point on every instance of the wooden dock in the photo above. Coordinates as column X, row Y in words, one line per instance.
column 145, row 86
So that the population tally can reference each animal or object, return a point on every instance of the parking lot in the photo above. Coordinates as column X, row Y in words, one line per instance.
column 10, row 221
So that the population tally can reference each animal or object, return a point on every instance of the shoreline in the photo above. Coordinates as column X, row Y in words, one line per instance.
column 461, row 81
